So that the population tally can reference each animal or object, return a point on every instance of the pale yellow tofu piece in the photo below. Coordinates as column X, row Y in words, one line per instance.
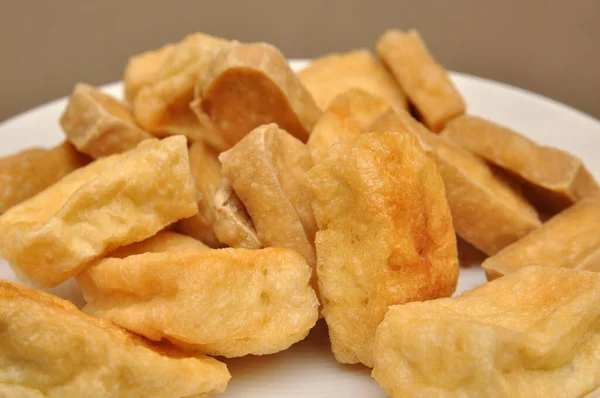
column 162, row 106
column 51, row 349
column 225, row 302
column 534, row 333
column 112, row 202
column 267, row 170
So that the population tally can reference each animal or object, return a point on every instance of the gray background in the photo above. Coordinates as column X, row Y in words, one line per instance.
column 550, row 47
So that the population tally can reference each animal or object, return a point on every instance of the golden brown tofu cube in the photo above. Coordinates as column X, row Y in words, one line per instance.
column 385, row 236
column 425, row 82
column 488, row 211
column 554, row 179
column 98, row 124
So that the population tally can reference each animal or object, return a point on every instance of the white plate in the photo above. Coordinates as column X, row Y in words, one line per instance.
column 308, row 368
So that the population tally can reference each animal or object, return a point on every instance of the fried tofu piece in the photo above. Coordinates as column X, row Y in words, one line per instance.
column 164, row 241
column 98, row 124
column 425, row 82
column 534, row 333
column 349, row 114
column 267, row 170
column 385, row 236
column 571, row 239
column 329, row 76
column 556, row 179
column 162, row 106
column 142, row 68
column 29, row 172
column 488, row 211
column 206, row 169
column 49, row 348
column 226, row 302
column 248, row 85
column 233, row 225
column 112, row 202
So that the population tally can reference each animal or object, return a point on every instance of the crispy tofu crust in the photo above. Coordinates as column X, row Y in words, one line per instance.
column 531, row 333
column 385, row 236
column 488, row 211
column 267, row 170
column 141, row 70
column 226, row 302
column 51, row 349
column 112, row 202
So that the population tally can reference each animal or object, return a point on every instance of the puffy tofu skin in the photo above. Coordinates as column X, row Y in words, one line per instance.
column 385, row 236
column 162, row 104
column 267, row 170
column 112, row 202
column 48, row 348
column 534, row 333
column 226, row 302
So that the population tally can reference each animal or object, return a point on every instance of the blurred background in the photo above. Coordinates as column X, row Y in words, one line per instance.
column 550, row 47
